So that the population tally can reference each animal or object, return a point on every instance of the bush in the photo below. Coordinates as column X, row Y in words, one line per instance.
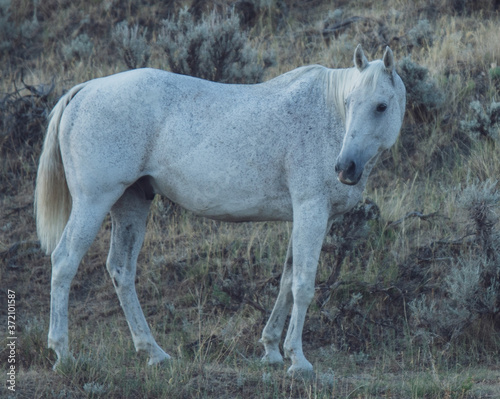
column 7, row 29
column 422, row 94
column 422, row 34
column 23, row 36
column 33, row 348
column 132, row 44
column 470, row 288
column 478, row 202
column 214, row 48
column 349, row 232
column 482, row 123
column 79, row 48
column 23, row 115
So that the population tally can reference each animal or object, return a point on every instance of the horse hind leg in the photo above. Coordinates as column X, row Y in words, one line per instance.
column 128, row 217
column 84, row 222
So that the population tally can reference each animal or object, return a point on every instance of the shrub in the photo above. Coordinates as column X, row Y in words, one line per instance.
column 348, row 233
column 31, row 28
column 469, row 292
column 79, row 48
column 33, row 346
column 422, row 94
column 478, row 201
column 422, row 34
column 23, row 115
column 94, row 389
column 482, row 123
column 352, row 228
column 20, row 38
column 8, row 31
column 132, row 44
column 214, row 48
column 470, row 288
column 495, row 73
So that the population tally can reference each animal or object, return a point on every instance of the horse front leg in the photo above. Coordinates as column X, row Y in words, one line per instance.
column 271, row 335
column 309, row 229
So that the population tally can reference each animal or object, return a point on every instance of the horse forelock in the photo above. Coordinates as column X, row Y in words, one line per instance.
column 338, row 83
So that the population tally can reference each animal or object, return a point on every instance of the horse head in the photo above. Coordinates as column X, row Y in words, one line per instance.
column 374, row 111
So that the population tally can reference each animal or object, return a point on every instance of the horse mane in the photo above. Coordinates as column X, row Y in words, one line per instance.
column 338, row 83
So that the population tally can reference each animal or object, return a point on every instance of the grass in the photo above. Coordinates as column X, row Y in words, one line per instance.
column 207, row 287
column 108, row 367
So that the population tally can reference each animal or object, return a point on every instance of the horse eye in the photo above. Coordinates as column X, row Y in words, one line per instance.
column 381, row 107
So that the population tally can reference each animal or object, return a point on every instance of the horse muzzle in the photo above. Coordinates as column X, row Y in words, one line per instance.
column 348, row 172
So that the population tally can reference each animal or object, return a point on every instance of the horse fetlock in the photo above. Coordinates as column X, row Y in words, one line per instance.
column 269, row 340
column 64, row 356
column 300, row 366
column 59, row 343
column 288, row 352
column 155, row 352
column 271, row 347
column 296, row 355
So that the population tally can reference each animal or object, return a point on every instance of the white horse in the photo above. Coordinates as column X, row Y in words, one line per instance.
column 267, row 151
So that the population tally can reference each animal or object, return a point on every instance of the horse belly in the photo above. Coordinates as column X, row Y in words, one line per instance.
column 218, row 191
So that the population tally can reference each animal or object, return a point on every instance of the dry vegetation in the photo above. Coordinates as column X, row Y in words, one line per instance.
column 408, row 289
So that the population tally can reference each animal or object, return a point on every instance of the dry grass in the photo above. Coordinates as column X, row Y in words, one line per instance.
column 207, row 287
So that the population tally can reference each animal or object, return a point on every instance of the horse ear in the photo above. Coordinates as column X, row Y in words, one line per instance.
column 359, row 58
column 388, row 59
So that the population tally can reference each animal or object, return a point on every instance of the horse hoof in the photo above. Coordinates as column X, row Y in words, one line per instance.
column 158, row 359
column 64, row 361
column 303, row 369
column 272, row 358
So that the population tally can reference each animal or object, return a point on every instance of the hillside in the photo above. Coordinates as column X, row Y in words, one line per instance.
column 408, row 289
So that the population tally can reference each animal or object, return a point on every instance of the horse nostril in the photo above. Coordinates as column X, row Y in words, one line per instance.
column 351, row 169
column 348, row 172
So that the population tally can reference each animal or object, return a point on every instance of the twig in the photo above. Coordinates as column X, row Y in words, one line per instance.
column 16, row 247
column 19, row 250
column 41, row 90
column 457, row 241
column 18, row 209
column 444, row 259
column 413, row 214
column 340, row 25
column 329, row 248
column 255, row 305
column 262, row 283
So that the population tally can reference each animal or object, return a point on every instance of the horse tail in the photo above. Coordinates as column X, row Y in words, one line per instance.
column 52, row 197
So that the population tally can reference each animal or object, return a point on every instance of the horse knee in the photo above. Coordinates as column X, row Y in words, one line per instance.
column 303, row 293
